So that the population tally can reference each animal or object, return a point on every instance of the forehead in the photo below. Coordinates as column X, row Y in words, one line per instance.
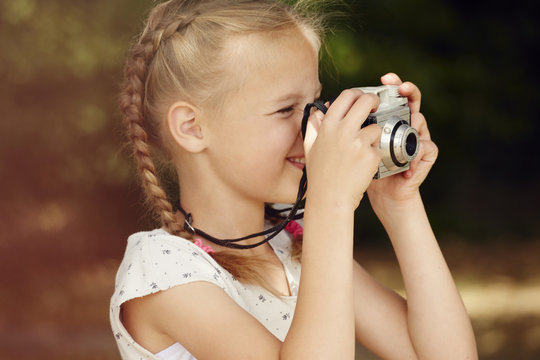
column 273, row 62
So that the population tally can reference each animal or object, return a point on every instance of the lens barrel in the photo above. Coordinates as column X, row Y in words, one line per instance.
column 399, row 143
column 405, row 141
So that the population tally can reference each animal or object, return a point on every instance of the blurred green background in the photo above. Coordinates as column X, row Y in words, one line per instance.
column 69, row 198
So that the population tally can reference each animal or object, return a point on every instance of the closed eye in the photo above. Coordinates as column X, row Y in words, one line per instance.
column 286, row 110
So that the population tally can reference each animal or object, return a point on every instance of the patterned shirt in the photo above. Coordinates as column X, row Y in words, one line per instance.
column 156, row 261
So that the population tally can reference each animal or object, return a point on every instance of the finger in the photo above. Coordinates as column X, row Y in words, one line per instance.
column 390, row 79
column 359, row 112
column 343, row 103
column 431, row 151
column 416, row 161
column 418, row 121
column 372, row 134
column 427, row 153
column 411, row 91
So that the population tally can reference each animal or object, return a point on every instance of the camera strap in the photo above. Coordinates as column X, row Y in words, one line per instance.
column 292, row 212
column 307, row 112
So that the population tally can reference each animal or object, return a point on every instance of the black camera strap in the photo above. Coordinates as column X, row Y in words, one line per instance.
column 307, row 112
column 292, row 212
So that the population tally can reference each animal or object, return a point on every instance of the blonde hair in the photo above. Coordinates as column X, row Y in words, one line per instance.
column 179, row 56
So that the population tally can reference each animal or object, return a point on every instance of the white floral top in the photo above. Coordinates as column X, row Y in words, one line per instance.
column 156, row 261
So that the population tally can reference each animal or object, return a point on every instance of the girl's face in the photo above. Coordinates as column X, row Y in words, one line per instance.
column 255, row 146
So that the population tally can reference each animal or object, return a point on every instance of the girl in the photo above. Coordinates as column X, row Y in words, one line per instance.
column 218, row 87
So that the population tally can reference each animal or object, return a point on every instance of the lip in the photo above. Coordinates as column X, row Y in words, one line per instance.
column 293, row 160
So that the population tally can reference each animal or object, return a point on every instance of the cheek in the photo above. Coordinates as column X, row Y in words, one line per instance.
column 256, row 145
column 280, row 138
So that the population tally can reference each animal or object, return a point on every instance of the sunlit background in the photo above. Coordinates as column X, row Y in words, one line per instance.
column 69, row 198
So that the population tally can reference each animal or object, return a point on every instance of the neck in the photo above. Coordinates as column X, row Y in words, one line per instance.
column 222, row 214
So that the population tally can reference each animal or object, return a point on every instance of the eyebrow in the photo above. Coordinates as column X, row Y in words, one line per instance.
column 295, row 95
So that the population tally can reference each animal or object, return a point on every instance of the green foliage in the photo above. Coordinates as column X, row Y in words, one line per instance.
column 61, row 64
column 475, row 69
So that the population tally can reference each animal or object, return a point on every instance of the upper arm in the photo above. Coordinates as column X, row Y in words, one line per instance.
column 201, row 317
column 380, row 318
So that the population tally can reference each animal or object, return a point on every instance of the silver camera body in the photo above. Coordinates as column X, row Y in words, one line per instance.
column 399, row 142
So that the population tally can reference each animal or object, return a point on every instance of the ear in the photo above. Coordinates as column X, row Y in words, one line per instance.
column 185, row 128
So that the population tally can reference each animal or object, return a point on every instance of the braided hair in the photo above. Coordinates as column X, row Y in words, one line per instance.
column 178, row 56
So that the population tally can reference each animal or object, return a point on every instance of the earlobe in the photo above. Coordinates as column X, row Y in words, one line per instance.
column 185, row 128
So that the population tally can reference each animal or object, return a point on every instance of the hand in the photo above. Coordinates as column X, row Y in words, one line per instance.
column 405, row 186
column 342, row 158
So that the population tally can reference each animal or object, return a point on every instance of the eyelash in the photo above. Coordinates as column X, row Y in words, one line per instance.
column 286, row 110
column 289, row 109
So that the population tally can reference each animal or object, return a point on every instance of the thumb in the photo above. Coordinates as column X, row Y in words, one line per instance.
column 312, row 130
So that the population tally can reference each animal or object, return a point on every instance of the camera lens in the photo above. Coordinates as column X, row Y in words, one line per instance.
column 404, row 144
column 410, row 144
column 399, row 143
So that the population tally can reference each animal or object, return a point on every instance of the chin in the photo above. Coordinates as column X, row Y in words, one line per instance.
column 288, row 198
column 285, row 191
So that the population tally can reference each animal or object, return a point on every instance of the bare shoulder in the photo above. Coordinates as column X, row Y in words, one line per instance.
column 201, row 317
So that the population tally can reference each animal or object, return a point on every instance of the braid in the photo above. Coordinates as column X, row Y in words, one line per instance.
column 179, row 56
column 169, row 30
column 132, row 107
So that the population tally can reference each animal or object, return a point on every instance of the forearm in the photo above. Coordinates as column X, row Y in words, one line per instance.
column 323, row 324
column 438, row 322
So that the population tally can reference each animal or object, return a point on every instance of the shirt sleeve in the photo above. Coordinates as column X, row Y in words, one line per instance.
column 157, row 261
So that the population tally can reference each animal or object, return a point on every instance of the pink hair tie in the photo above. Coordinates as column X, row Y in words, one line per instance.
column 206, row 248
column 294, row 228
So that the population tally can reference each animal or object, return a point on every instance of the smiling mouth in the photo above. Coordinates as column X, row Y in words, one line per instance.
column 299, row 162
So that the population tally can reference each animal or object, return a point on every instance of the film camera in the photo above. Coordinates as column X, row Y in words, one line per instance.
column 399, row 141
